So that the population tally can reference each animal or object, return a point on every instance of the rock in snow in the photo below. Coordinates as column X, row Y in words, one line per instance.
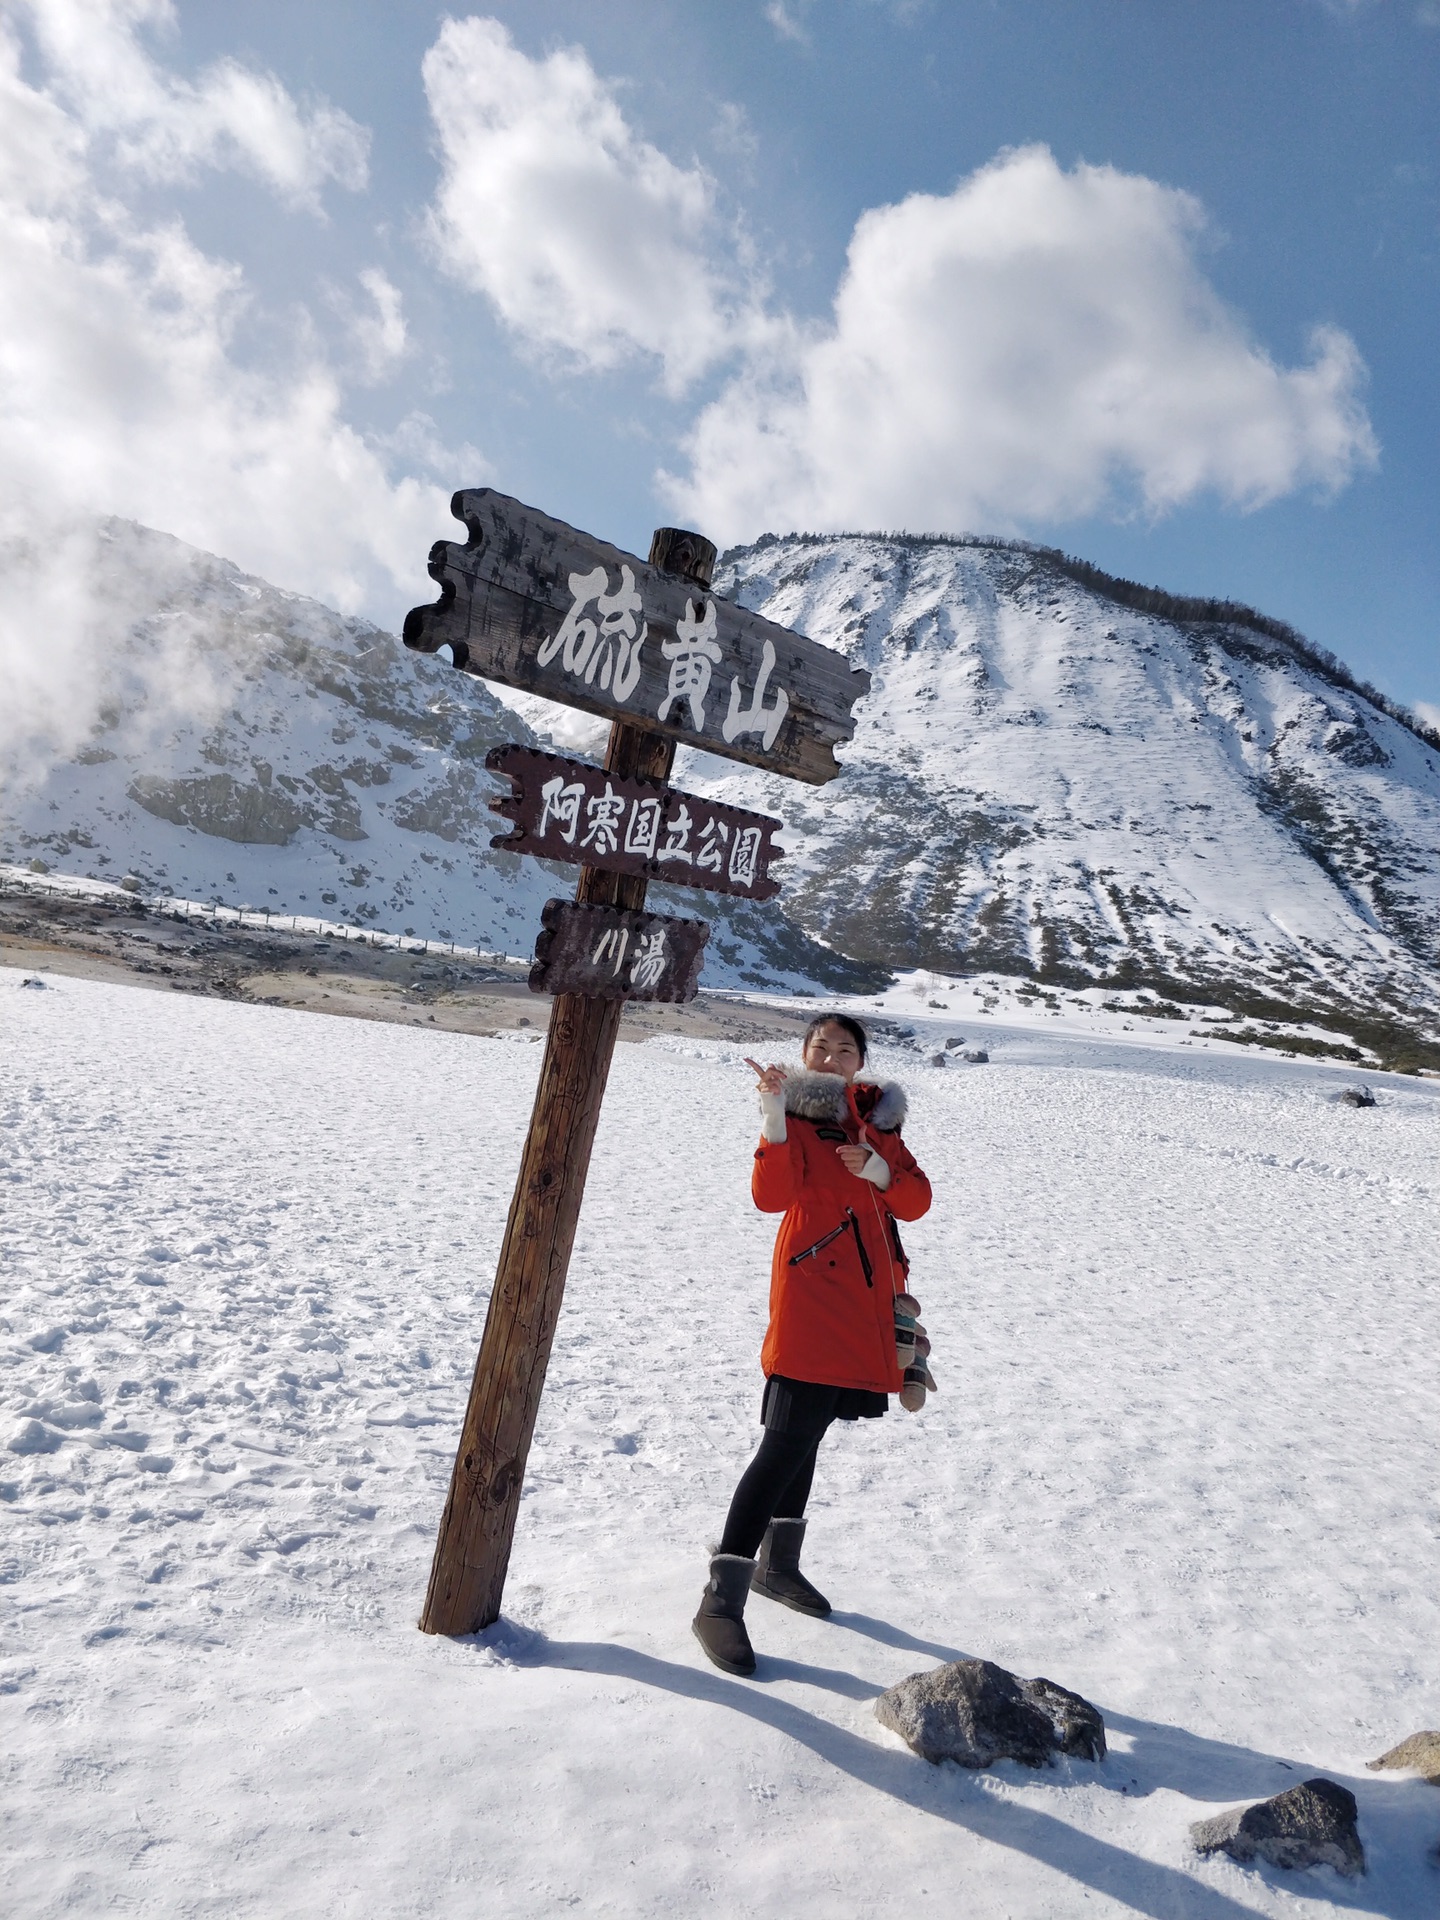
column 1312, row 1825
column 977, row 1713
column 1354, row 1097
column 1420, row 1753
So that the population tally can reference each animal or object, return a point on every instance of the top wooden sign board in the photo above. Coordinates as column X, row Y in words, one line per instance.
column 534, row 604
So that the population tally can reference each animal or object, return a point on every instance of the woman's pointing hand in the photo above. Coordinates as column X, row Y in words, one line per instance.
column 772, row 1079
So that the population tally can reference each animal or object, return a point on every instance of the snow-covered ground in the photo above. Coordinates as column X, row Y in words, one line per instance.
column 1184, row 1459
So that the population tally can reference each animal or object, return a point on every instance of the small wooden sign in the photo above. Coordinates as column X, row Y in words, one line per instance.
column 535, row 604
column 566, row 809
column 611, row 954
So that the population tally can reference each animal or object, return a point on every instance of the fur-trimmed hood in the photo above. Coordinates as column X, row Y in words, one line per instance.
column 821, row 1096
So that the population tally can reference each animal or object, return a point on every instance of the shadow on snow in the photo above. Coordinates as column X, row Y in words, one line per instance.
column 1159, row 1758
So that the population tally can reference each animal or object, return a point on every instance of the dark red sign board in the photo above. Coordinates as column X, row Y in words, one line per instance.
column 566, row 809
column 617, row 955
column 535, row 604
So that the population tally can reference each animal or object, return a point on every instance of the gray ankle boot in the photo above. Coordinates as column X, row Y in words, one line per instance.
column 719, row 1626
column 777, row 1572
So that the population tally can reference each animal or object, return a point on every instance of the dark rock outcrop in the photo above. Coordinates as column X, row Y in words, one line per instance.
column 1420, row 1753
column 1312, row 1825
column 976, row 1713
column 1354, row 1097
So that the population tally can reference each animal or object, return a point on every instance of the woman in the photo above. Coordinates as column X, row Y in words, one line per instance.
column 832, row 1161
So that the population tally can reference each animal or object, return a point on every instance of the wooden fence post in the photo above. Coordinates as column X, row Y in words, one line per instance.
column 472, row 1552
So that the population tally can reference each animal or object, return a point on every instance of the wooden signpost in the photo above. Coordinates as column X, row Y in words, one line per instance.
column 618, row 955
column 568, row 810
column 532, row 603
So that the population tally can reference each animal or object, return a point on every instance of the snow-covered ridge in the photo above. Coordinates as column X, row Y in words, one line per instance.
column 1179, row 608
column 259, row 749
column 1045, row 781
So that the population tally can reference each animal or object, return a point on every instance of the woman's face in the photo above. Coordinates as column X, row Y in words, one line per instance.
column 830, row 1049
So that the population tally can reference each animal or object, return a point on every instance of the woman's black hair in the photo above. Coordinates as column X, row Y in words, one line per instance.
column 852, row 1027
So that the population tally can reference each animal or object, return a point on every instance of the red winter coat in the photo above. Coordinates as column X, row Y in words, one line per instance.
column 838, row 1259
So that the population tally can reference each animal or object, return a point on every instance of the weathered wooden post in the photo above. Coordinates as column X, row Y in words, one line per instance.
column 472, row 1552
column 532, row 603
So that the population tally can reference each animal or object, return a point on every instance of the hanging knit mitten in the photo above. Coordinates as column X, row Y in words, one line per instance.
column 912, row 1353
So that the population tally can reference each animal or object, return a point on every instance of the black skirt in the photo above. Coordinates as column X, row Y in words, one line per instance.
column 792, row 1406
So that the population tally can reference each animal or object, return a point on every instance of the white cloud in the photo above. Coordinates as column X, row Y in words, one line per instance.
column 1035, row 346
column 123, row 392
column 166, row 128
column 789, row 22
column 733, row 133
column 589, row 241
column 378, row 329
column 419, row 443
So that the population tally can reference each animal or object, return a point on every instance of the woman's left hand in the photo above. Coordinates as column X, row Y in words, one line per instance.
column 853, row 1158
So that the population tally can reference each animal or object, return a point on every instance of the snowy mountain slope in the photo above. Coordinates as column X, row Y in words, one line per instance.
column 264, row 750
column 1045, row 781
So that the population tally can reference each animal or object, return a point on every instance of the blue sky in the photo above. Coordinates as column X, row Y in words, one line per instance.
column 1152, row 280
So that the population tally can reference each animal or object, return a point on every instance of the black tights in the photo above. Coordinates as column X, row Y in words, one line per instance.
column 775, row 1486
